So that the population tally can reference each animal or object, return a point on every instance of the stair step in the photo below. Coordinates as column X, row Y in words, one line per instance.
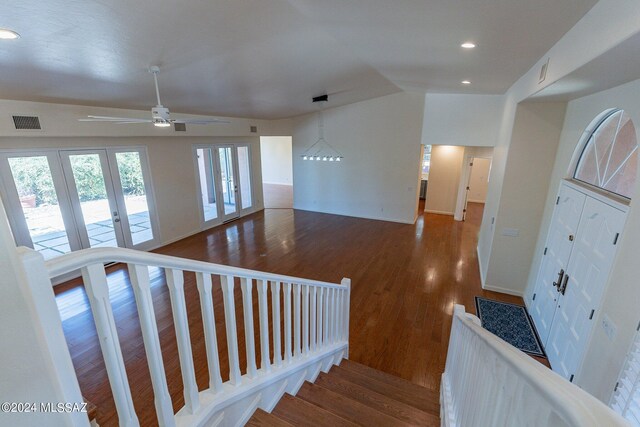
column 377, row 401
column 346, row 408
column 261, row 418
column 401, row 390
column 302, row 413
column 389, row 379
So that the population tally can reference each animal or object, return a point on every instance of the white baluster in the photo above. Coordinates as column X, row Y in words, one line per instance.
column 320, row 339
column 175, row 281
column 210, row 340
column 313, row 318
column 296, row 319
column 275, row 306
column 139, row 275
column 249, row 337
column 339, row 313
column 264, row 325
column 332, row 317
column 232, row 330
column 95, row 284
column 325, row 327
column 336, row 317
column 347, row 302
column 305, row 320
column 287, row 322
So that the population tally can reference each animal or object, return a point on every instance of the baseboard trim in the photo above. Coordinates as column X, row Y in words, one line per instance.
column 432, row 211
column 476, row 201
column 502, row 290
column 356, row 216
column 283, row 184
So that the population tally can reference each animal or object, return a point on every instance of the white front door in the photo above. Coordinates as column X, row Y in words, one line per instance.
column 564, row 225
column 582, row 288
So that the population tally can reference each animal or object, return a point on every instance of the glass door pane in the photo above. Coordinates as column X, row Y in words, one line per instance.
column 206, row 166
column 93, row 199
column 228, row 181
column 244, row 172
column 134, row 194
column 38, row 200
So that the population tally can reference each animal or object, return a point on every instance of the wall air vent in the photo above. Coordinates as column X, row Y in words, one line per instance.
column 253, row 129
column 180, row 127
column 26, row 122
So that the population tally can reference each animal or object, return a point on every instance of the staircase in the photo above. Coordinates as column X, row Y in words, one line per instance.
column 352, row 394
column 297, row 372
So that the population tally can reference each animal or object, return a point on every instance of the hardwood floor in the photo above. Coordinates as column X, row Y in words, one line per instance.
column 405, row 280
column 277, row 196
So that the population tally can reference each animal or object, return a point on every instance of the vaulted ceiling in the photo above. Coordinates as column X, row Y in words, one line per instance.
column 267, row 58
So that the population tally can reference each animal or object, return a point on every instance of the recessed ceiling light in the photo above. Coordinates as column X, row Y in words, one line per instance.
column 8, row 34
column 466, row 82
column 468, row 45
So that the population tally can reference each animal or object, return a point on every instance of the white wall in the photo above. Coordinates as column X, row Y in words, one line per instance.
column 604, row 357
column 607, row 24
column 172, row 172
column 378, row 178
column 533, row 146
column 479, row 180
column 444, row 179
column 470, row 120
column 277, row 160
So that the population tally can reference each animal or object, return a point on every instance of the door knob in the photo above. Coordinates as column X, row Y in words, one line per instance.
column 564, row 284
column 560, row 276
column 571, row 237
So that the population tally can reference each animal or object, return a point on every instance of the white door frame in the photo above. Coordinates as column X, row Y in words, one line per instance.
column 465, row 176
column 221, row 218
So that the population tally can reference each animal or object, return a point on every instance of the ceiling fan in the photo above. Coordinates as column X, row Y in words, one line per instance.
column 160, row 115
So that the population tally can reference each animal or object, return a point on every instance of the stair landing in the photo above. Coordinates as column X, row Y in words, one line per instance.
column 354, row 395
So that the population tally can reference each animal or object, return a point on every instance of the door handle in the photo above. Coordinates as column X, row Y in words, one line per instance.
column 560, row 276
column 564, row 284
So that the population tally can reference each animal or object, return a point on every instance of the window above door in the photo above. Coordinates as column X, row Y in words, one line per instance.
column 609, row 154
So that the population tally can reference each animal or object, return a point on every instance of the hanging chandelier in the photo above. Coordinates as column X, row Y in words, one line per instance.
column 321, row 150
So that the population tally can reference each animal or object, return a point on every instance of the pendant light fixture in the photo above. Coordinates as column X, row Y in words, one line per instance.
column 321, row 150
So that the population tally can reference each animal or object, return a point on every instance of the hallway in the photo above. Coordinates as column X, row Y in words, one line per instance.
column 405, row 281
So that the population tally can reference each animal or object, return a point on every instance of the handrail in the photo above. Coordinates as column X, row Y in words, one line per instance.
column 315, row 335
column 572, row 404
column 75, row 260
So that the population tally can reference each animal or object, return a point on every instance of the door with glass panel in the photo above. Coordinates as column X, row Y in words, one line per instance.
column 224, row 182
column 37, row 204
column 109, row 194
column 64, row 200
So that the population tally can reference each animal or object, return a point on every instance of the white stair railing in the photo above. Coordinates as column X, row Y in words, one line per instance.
column 315, row 346
column 488, row 382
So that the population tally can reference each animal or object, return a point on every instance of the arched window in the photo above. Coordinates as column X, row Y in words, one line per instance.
column 609, row 159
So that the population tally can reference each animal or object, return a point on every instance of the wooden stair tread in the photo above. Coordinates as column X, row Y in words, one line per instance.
column 419, row 397
column 389, row 379
column 261, row 418
column 377, row 401
column 302, row 413
column 348, row 409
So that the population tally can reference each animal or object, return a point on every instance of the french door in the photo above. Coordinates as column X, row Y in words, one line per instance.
column 224, row 183
column 64, row 200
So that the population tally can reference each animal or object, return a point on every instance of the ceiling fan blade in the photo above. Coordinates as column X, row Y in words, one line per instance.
column 114, row 119
column 200, row 121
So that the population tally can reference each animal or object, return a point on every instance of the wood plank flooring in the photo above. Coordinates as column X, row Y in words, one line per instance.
column 405, row 280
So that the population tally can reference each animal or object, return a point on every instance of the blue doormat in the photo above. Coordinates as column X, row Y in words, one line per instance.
column 511, row 322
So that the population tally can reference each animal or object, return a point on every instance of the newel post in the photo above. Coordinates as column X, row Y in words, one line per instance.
column 347, row 302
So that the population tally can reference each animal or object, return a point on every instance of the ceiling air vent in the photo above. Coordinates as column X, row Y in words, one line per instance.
column 26, row 122
column 180, row 127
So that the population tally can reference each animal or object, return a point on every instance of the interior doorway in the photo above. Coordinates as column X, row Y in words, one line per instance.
column 477, row 185
column 277, row 171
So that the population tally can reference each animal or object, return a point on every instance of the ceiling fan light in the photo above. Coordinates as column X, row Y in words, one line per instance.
column 338, row 158
column 331, row 159
column 317, row 157
column 305, row 158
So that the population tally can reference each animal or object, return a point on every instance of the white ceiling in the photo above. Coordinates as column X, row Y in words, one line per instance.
column 267, row 58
